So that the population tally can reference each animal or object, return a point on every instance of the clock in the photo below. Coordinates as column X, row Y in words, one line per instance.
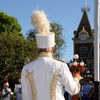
column 83, row 36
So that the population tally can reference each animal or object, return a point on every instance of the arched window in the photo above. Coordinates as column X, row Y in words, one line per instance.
column 83, row 51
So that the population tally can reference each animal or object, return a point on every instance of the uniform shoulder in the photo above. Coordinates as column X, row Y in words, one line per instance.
column 59, row 60
column 27, row 64
column 30, row 61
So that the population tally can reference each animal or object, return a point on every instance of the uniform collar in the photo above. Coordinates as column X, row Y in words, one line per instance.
column 45, row 54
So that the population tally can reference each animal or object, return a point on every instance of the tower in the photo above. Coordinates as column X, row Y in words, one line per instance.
column 84, row 41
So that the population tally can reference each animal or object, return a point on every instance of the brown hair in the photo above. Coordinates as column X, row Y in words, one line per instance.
column 44, row 50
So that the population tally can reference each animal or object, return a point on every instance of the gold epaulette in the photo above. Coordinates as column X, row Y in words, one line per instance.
column 59, row 59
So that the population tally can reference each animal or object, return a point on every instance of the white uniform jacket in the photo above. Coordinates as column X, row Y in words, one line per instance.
column 5, row 92
column 44, row 79
column 18, row 91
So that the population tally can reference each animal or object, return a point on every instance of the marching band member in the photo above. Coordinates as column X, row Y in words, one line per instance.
column 18, row 90
column 6, row 91
column 44, row 78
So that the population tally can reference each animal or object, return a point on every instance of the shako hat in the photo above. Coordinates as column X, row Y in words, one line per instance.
column 44, row 38
column 6, row 84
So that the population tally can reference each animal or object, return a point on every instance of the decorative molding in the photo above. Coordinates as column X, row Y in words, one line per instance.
column 83, row 30
column 78, row 41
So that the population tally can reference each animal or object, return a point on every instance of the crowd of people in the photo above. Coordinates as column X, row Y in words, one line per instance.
column 86, row 92
column 7, row 94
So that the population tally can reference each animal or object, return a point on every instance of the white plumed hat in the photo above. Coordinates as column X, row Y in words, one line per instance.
column 44, row 38
column 6, row 84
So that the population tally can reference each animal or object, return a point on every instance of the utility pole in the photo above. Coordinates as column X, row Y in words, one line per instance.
column 96, row 50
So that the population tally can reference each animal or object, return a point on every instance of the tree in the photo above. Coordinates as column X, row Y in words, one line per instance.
column 9, row 24
column 14, row 52
column 60, row 43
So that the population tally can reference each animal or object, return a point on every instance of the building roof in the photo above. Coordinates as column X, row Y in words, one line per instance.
column 84, row 23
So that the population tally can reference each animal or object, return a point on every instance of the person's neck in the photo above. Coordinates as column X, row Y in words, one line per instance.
column 45, row 54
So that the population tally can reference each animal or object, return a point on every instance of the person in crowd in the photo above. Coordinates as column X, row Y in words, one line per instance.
column 81, row 94
column 69, row 97
column 91, row 94
column 54, row 73
column 1, row 95
column 6, row 91
column 18, row 90
column 65, row 94
column 86, row 87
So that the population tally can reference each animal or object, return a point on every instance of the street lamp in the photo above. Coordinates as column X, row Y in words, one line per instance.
column 76, row 56
column 75, row 65
column 96, row 49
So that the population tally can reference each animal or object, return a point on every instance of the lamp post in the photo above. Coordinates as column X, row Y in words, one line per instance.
column 96, row 50
column 75, row 65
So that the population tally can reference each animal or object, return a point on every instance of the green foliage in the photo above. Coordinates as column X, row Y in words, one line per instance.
column 9, row 24
column 14, row 51
column 31, row 34
column 60, row 43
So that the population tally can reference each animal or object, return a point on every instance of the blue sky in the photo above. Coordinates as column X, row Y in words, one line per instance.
column 67, row 13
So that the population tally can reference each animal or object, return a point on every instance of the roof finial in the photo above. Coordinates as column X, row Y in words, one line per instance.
column 83, row 28
column 86, row 8
column 85, row 3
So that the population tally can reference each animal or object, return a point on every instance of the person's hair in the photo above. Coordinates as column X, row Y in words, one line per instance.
column 44, row 50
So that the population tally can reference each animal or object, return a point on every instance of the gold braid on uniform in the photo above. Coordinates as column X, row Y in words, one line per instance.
column 45, row 54
column 59, row 59
column 31, row 80
column 55, row 79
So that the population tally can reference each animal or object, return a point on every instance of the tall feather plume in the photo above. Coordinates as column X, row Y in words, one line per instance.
column 40, row 22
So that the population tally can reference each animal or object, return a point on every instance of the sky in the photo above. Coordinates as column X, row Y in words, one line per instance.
column 67, row 13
